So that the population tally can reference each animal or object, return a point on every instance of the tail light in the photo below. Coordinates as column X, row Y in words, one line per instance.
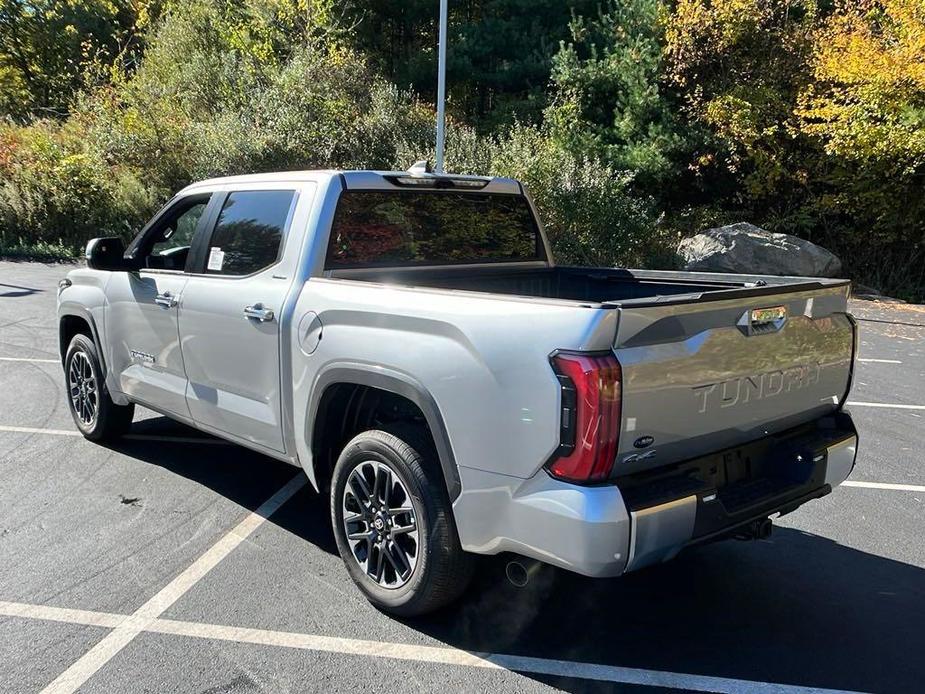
column 590, row 419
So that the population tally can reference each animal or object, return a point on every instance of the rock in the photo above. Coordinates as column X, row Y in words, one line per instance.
column 747, row 249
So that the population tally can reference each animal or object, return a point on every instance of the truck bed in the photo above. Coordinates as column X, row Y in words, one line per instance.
column 601, row 286
column 698, row 374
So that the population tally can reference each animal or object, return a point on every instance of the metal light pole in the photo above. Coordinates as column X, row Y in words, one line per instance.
column 441, row 86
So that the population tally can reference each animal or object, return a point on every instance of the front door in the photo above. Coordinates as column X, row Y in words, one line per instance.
column 141, row 318
column 229, row 321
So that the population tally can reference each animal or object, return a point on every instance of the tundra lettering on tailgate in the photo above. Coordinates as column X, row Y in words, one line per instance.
column 744, row 389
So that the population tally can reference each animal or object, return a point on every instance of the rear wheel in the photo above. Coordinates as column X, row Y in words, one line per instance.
column 393, row 522
column 96, row 415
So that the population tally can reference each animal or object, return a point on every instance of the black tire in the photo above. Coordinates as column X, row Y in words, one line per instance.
column 441, row 569
column 97, row 417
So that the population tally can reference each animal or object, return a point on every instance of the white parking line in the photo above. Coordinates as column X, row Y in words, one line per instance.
column 71, row 679
column 40, row 361
column 133, row 437
column 881, row 361
column 147, row 618
column 885, row 485
column 454, row 656
column 34, row 430
column 62, row 614
column 885, row 404
column 443, row 655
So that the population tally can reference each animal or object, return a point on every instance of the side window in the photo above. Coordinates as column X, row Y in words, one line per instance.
column 169, row 246
column 179, row 233
column 249, row 232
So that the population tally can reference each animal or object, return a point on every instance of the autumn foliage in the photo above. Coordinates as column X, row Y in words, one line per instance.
column 634, row 122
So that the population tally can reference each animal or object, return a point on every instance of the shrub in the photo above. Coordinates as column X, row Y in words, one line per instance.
column 55, row 189
column 590, row 214
column 220, row 92
column 20, row 249
column 210, row 99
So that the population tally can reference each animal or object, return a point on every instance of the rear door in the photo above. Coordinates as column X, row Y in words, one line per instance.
column 702, row 376
column 141, row 317
column 229, row 320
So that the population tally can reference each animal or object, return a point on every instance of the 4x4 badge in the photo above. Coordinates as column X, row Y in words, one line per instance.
column 636, row 457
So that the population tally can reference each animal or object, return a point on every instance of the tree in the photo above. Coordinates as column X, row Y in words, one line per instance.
column 498, row 58
column 867, row 102
column 226, row 87
column 610, row 101
column 46, row 45
column 866, row 108
column 739, row 66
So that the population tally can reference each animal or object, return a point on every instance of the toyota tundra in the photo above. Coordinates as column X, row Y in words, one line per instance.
column 407, row 340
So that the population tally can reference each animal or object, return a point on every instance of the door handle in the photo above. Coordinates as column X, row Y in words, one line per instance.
column 258, row 312
column 167, row 300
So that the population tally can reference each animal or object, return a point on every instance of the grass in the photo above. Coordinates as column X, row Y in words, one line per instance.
column 38, row 250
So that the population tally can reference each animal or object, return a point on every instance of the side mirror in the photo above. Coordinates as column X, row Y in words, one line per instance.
column 106, row 254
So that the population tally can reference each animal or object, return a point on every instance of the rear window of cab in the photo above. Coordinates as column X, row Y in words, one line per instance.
column 431, row 228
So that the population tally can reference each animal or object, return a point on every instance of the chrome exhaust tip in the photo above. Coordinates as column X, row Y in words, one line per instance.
column 520, row 571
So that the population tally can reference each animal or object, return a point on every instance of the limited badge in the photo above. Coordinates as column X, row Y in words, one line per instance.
column 768, row 315
column 758, row 321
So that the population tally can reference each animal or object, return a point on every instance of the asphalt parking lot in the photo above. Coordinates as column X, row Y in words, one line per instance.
column 174, row 562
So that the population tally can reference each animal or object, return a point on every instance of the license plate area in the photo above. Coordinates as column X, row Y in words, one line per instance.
column 737, row 479
column 746, row 477
column 733, row 487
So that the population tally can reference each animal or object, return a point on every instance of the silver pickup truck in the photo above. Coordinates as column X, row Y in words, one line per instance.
column 407, row 340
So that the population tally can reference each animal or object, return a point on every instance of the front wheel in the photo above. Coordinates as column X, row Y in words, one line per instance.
column 96, row 415
column 393, row 522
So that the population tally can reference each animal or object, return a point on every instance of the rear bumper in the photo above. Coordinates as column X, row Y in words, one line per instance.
column 717, row 495
column 646, row 518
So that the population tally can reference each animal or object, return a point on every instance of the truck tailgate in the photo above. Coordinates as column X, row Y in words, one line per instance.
column 701, row 376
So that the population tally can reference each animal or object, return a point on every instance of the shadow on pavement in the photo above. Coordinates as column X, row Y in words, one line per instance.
column 12, row 291
column 796, row 609
column 240, row 475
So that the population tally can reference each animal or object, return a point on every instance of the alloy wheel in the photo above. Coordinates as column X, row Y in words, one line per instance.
column 380, row 523
column 83, row 388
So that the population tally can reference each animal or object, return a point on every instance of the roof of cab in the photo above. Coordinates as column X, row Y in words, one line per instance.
column 353, row 180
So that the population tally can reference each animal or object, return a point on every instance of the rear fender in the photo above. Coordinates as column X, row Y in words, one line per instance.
column 393, row 382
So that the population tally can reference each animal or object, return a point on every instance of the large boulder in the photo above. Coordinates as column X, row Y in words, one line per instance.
column 747, row 249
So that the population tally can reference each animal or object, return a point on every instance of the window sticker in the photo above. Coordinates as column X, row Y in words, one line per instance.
column 216, row 259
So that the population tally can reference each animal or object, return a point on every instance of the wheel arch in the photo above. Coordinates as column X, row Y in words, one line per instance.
column 73, row 322
column 75, row 318
column 379, row 380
